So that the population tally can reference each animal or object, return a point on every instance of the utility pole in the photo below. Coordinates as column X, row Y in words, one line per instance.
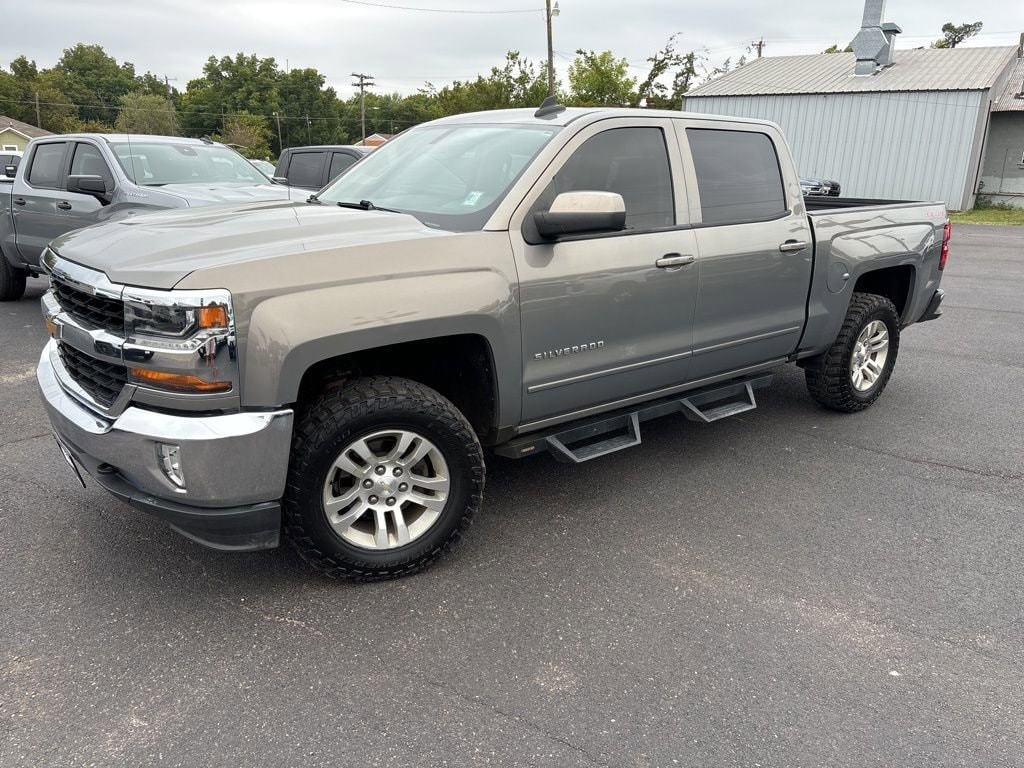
column 550, row 13
column 38, row 120
column 364, row 82
column 760, row 44
column 280, row 144
column 309, row 130
column 170, row 105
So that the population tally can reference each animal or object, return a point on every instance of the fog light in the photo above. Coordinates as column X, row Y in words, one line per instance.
column 169, row 456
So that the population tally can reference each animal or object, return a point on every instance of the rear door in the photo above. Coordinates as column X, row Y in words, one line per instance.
column 601, row 320
column 35, row 197
column 80, row 210
column 754, row 246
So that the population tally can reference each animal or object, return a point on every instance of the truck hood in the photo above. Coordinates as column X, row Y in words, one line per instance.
column 211, row 194
column 157, row 250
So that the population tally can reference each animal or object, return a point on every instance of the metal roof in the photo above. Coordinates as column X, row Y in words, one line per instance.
column 925, row 69
column 1012, row 97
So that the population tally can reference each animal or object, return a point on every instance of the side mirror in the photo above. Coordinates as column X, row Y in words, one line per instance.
column 87, row 185
column 10, row 171
column 279, row 179
column 577, row 213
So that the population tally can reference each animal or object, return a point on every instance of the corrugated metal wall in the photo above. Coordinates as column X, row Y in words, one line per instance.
column 911, row 145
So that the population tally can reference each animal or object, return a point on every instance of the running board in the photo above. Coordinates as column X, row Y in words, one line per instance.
column 601, row 435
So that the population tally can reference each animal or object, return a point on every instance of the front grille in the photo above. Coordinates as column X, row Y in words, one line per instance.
column 97, row 311
column 103, row 380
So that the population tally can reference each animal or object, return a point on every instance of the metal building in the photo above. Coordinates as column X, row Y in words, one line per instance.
column 913, row 125
column 1002, row 177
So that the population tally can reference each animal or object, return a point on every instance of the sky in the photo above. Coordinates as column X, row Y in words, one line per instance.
column 402, row 48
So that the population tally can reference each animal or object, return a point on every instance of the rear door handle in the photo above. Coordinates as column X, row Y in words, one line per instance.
column 19, row 201
column 793, row 245
column 64, row 205
column 670, row 260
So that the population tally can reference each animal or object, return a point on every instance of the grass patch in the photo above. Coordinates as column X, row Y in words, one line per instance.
column 992, row 215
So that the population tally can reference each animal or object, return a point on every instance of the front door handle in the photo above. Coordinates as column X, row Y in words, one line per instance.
column 791, row 246
column 670, row 260
column 64, row 205
column 19, row 201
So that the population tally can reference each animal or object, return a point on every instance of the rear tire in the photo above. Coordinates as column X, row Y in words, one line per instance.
column 385, row 476
column 12, row 281
column 844, row 378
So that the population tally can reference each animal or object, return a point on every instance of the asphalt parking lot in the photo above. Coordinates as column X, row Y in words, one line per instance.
column 787, row 588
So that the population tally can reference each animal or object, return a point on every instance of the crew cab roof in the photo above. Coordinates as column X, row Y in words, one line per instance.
column 588, row 114
column 111, row 138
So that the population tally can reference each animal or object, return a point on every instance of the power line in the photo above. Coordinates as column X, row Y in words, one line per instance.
column 439, row 10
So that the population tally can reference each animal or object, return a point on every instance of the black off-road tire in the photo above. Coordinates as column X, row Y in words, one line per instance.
column 360, row 407
column 829, row 380
column 12, row 281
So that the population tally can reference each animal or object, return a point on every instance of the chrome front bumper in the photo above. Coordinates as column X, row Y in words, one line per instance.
column 233, row 465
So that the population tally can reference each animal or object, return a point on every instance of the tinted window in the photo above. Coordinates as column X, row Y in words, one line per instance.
column 157, row 163
column 339, row 162
column 738, row 175
column 46, row 165
column 630, row 161
column 305, row 168
column 89, row 162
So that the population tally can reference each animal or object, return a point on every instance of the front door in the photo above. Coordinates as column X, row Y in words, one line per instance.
column 77, row 209
column 754, row 246
column 35, row 197
column 601, row 320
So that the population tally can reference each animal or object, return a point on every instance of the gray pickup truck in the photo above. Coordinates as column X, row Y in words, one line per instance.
column 72, row 181
column 332, row 370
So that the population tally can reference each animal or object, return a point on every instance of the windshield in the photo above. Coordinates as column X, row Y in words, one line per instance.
column 448, row 176
column 154, row 164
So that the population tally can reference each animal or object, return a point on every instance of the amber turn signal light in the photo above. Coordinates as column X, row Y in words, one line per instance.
column 178, row 382
column 215, row 316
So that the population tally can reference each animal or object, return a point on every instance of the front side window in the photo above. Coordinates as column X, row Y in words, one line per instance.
column 339, row 162
column 154, row 164
column 738, row 176
column 304, row 169
column 88, row 161
column 46, row 166
column 449, row 176
column 630, row 161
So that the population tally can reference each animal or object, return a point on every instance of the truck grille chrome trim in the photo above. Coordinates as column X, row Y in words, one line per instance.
column 97, row 311
column 102, row 380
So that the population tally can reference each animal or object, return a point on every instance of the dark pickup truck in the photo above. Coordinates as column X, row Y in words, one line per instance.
column 333, row 369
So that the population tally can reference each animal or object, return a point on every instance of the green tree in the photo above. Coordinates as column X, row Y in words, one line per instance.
column 92, row 79
column 954, row 34
column 834, row 48
column 247, row 133
column 229, row 85
column 517, row 83
column 145, row 113
column 301, row 95
column 599, row 79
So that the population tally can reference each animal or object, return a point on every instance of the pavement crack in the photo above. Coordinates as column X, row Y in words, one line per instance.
column 984, row 309
column 495, row 709
column 26, row 438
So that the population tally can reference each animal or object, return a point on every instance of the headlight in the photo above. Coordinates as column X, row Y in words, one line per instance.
column 179, row 315
column 180, row 341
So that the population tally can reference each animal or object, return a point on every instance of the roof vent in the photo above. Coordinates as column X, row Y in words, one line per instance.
column 873, row 46
column 549, row 108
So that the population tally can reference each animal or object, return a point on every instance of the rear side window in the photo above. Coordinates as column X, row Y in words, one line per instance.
column 738, row 176
column 339, row 162
column 46, row 166
column 305, row 168
column 630, row 161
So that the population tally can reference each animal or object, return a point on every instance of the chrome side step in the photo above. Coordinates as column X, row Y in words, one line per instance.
column 601, row 435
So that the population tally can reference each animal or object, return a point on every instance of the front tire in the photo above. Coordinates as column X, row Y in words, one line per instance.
column 852, row 374
column 385, row 476
column 12, row 281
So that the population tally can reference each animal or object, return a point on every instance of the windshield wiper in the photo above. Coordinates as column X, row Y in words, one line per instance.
column 365, row 205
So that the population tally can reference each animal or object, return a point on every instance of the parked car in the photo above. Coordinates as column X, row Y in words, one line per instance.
column 314, row 167
column 825, row 187
column 73, row 181
column 9, row 158
column 263, row 166
column 528, row 282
